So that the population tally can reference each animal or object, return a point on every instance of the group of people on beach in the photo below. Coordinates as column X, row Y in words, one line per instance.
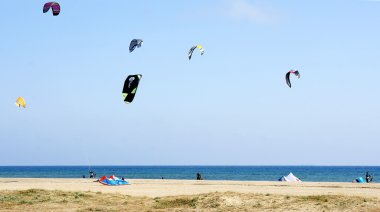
column 368, row 177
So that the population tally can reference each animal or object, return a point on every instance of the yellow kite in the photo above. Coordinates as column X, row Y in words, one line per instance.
column 21, row 102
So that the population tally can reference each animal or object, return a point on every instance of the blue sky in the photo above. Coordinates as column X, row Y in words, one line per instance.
column 230, row 106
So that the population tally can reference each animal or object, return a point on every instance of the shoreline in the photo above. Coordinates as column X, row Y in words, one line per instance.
column 170, row 179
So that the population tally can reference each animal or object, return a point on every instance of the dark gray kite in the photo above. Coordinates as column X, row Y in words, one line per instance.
column 135, row 43
column 130, row 87
column 200, row 47
column 287, row 76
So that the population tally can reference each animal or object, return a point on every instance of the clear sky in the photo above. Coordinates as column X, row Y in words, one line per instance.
column 230, row 106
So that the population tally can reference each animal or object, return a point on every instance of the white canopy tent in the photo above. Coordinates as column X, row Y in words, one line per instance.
column 290, row 178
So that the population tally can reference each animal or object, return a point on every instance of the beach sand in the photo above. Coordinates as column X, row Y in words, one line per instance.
column 159, row 188
column 227, row 195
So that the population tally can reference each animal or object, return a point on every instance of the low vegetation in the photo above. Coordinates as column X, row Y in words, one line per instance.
column 44, row 200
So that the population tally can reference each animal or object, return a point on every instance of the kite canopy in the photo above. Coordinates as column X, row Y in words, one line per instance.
column 112, row 181
column 287, row 76
column 130, row 87
column 55, row 7
column 20, row 102
column 359, row 180
column 135, row 43
column 200, row 47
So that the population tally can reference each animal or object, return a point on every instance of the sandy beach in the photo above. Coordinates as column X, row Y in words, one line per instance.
column 141, row 195
column 160, row 188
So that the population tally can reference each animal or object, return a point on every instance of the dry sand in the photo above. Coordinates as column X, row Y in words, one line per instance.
column 185, row 195
column 161, row 188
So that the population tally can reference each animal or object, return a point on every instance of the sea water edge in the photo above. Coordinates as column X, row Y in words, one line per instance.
column 239, row 173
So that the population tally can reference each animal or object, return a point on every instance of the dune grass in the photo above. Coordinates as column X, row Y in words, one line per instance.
column 45, row 200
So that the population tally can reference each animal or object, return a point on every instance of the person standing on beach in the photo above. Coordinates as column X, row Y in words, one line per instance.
column 199, row 176
column 368, row 177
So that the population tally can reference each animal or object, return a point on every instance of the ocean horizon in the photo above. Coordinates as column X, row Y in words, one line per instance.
column 215, row 172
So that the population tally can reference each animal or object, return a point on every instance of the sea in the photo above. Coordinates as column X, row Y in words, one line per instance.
column 241, row 173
